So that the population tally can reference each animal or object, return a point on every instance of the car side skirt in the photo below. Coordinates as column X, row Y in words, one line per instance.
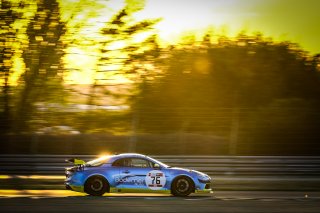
column 131, row 190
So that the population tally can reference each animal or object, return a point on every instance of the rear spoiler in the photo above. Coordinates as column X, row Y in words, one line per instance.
column 76, row 161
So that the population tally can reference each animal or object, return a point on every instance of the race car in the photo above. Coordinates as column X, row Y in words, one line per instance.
column 133, row 173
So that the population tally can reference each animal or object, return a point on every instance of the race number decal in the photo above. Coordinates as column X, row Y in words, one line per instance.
column 155, row 180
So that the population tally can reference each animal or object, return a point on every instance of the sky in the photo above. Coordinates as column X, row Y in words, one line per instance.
column 294, row 20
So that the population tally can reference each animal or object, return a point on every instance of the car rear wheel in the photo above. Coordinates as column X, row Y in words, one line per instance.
column 96, row 186
column 182, row 186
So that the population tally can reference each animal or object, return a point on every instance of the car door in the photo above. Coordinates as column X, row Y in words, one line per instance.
column 134, row 175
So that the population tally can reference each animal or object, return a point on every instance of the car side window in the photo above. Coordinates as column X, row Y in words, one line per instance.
column 121, row 162
column 133, row 162
column 140, row 163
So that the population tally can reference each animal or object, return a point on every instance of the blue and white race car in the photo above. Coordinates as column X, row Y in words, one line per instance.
column 131, row 173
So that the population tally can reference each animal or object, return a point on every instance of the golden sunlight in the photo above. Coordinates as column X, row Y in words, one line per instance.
column 80, row 65
column 85, row 19
column 181, row 16
column 81, row 61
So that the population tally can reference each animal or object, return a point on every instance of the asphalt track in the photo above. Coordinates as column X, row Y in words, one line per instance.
column 219, row 202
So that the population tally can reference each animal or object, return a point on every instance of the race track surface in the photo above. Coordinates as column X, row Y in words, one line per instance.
column 219, row 202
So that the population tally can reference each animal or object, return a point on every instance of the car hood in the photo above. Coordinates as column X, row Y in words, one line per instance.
column 184, row 170
column 178, row 169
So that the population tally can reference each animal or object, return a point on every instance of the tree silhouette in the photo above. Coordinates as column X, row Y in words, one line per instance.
column 128, row 54
column 129, row 57
column 217, row 89
column 41, row 80
column 9, row 14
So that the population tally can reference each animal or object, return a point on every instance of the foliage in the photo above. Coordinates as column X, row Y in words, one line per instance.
column 41, row 81
column 211, row 88
column 10, row 13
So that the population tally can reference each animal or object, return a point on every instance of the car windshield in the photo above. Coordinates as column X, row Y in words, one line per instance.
column 98, row 161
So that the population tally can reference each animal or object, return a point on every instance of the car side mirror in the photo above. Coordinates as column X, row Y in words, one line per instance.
column 156, row 166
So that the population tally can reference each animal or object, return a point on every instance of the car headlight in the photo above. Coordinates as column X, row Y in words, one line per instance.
column 202, row 176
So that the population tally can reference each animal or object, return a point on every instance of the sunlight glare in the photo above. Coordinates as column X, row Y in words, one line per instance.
column 180, row 16
column 81, row 66
column 193, row 17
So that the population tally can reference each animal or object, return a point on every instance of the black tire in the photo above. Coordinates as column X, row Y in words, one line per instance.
column 96, row 186
column 182, row 186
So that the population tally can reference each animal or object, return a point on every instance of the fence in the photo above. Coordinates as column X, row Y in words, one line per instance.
column 212, row 165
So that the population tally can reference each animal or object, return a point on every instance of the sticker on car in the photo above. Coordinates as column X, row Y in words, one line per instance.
column 155, row 180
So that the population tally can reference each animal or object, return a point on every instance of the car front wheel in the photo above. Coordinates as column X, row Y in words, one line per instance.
column 182, row 186
column 96, row 186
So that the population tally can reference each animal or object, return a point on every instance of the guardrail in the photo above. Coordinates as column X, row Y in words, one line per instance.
column 212, row 165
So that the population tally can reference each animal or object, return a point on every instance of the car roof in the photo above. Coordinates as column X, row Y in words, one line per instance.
column 126, row 155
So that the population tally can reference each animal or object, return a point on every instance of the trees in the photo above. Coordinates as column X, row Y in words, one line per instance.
column 124, row 47
column 207, row 89
column 42, row 57
column 120, row 48
column 46, row 39
column 228, row 89
column 9, row 13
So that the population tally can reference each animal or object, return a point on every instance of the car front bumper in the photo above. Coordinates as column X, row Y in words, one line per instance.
column 74, row 187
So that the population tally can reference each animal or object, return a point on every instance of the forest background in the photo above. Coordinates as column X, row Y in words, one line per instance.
column 72, row 83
